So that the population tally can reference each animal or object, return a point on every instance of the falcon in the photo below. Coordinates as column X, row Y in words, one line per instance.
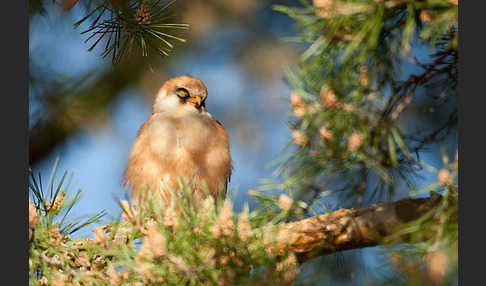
column 180, row 140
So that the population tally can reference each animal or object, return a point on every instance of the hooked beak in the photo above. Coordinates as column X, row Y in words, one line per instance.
column 195, row 101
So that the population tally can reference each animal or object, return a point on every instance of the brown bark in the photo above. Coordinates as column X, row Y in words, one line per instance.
column 346, row 229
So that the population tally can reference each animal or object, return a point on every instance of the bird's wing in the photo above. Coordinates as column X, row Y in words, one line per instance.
column 230, row 171
column 144, row 125
column 140, row 131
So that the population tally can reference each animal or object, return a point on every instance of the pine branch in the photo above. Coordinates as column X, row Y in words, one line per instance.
column 346, row 229
column 409, row 86
column 131, row 23
column 197, row 242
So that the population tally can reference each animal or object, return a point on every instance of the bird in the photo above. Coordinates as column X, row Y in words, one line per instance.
column 181, row 139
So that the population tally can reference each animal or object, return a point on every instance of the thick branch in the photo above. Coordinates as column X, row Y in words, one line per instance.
column 346, row 229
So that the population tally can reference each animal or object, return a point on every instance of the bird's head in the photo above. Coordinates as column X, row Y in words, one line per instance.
column 181, row 94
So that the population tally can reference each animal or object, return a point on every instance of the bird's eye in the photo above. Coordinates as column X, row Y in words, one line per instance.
column 182, row 93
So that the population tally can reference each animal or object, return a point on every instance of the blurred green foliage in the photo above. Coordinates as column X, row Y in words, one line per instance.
column 361, row 127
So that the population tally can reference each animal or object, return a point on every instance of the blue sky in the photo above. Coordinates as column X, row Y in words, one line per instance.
column 255, row 113
column 97, row 157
